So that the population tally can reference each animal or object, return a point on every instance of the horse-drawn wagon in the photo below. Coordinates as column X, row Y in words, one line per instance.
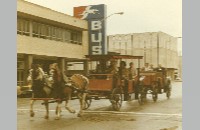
column 153, row 82
column 108, row 85
column 106, row 81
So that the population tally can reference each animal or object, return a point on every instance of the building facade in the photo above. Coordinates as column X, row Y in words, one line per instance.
column 180, row 66
column 156, row 47
column 45, row 36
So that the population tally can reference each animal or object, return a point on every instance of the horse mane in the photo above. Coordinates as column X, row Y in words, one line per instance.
column 57, row 75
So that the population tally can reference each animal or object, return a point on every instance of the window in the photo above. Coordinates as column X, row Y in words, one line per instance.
column 79, row 38
column 43, row 31
column 74, row 37
column 58, row 33
column 50, row 32
column 23, row 27
column 20, row 77
column 75, row 66
column 67, row 36
column 53, row 33
column 35, row 29
column 20, row 73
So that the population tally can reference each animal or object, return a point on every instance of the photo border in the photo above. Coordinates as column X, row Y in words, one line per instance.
column 8, row 65
column 190, row 49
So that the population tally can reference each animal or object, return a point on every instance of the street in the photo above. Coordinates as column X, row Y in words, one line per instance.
column 165, row 114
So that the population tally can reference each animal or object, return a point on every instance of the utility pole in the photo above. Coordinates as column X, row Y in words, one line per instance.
column 144, row 52
column 131, row 44
column 157, row 49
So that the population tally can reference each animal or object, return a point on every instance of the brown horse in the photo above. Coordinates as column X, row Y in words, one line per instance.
column 55, row 87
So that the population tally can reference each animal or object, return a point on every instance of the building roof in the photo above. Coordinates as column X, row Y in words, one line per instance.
column 34, row 11
column 110, row 57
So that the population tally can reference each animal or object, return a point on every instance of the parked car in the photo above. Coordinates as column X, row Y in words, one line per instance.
column 24, row 91
column 178, row 79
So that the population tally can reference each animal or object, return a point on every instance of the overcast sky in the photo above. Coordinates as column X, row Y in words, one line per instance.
column 139, row 15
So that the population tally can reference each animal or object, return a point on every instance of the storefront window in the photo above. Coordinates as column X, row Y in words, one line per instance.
column 20, row 73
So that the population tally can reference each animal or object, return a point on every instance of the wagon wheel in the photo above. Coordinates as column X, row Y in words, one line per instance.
column 155, row 92
column 116, row 98
column 87, row 104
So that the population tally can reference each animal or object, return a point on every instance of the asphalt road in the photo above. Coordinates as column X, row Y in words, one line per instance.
column 165, row 114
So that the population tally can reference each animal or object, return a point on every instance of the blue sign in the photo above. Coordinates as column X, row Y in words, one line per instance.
column 95, row 15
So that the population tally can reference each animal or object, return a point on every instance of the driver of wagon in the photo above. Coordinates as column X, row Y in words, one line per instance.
column 113, row 67
column 123, row 71
column 132, row 71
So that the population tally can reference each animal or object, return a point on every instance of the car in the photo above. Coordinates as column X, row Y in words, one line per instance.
column 24, row 91
column 178, row 79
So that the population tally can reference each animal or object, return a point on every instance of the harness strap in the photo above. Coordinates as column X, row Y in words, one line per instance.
column 77, row 89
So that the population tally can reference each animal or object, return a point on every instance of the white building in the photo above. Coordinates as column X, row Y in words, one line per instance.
column 45, row 36
column 156, row 47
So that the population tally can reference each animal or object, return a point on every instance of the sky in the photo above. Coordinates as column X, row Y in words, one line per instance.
column 139, row 15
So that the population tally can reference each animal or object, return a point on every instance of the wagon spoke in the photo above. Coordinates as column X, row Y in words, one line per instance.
column 116, row 99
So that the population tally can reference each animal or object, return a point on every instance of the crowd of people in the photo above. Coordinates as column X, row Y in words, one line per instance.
column 127, row 73
column 122, row 70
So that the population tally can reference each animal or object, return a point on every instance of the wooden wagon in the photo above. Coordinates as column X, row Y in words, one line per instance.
column 111, row 86
column 153, row 82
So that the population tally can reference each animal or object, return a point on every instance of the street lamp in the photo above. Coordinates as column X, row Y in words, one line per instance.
column 144, row 52
column 179, row 45
column 120, row 13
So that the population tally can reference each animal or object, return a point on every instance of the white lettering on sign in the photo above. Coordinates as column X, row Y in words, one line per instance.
column 96, row 37
column 99, row 38
column 96, row 25
column 96, row 50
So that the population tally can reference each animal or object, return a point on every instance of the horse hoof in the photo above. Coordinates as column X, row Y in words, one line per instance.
column 57, row 118
column 70, row 110
column 32, row 114
column 73, row 111
column 79, row 115
column 46, row 117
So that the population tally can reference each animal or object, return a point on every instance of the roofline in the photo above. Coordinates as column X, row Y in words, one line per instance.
column 51, row 10
column 109, row 57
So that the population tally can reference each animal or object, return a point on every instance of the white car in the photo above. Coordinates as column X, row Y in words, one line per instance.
column 178, row 79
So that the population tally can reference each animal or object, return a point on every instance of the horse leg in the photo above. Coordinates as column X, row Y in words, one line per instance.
column 67, row 104
column 47, row 109
column 58, row 110
column 31, row 108
column 82, row 103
